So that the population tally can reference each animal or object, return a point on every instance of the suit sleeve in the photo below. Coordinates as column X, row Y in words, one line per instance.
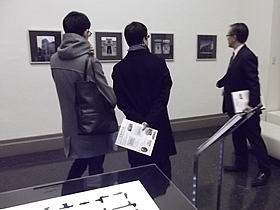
column 102, row 84
column 161, row 102
column 251, row 74
column 221, row 82
column 123, row 102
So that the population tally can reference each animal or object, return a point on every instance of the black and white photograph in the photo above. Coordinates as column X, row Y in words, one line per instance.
column 206, row 47
column 162, row 45
column 108, row 46
column 43, row 44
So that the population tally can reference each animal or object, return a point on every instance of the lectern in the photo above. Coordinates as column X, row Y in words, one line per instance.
column 231, row 125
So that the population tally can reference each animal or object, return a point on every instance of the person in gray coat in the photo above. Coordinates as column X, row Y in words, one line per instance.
column 67, row 66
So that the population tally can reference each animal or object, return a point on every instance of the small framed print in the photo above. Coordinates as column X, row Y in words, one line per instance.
column 206, row 47
column 108, row 46
column 162, row 45
column 43, row 44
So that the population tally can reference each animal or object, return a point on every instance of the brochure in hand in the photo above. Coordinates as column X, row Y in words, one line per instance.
column 132, row 136
column 241, row 99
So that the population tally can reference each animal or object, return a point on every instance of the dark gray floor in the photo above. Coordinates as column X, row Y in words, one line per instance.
column 41, row 168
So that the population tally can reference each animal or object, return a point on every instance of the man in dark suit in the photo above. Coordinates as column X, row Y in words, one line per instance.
column 142, row 85
column 242, row 74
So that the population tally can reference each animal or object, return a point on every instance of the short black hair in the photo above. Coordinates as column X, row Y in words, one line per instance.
column 135, row 32
column 76, row 22
column 241, row 31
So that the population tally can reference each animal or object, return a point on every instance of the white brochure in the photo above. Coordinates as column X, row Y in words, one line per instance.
column 127, row 196
column 132, row 136
column 241, row 99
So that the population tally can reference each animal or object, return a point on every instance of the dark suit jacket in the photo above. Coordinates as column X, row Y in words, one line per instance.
column 142, row 86
column 242, row 74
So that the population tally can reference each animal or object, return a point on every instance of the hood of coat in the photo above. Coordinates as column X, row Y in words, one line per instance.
column 72, row 46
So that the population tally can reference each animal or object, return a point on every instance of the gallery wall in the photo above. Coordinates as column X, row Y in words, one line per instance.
column 259, row 34
column 264, row 40
column 273, row 81
column 29, row 105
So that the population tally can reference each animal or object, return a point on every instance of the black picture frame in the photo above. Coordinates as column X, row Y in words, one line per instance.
column 206, row 47
column 108, row 46
column 162, row 45
column 43, row 44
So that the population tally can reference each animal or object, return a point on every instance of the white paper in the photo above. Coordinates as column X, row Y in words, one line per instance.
column 131, row 136
column 127, row 196
column 241, row 99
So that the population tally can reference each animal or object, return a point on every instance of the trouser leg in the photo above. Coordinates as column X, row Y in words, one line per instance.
column 77, row 169
column 163, row 162
column 165, row 166
column 96, row 165
column 240, row 147
column 256, row 141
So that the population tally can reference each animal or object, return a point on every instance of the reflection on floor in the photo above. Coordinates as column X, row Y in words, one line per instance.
column 40, row 168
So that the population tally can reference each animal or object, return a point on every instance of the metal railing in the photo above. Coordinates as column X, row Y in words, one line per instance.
column 231, row 125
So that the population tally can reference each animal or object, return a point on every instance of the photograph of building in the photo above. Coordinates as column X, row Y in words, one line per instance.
column 45, row 47
column 109, row 46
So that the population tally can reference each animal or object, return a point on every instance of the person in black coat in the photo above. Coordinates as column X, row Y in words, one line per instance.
column 242, row 74
column 142, row 84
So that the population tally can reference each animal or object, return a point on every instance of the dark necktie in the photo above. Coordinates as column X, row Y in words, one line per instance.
column 231, row 58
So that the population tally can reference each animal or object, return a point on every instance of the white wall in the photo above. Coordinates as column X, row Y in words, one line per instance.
column 258, row 16
column 29, row 105
column 273, row 86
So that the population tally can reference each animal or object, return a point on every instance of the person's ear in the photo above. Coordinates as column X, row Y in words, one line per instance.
column 85, row 34
column 144, row 40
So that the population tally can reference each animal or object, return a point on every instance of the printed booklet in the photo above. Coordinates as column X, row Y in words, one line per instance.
column 132, row 136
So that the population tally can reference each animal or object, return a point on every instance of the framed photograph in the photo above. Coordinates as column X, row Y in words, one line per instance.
column 43, row 44
column 162, row 45
column 206, row 47
column 108, row 46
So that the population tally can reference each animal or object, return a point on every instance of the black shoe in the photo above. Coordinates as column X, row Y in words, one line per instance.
column 235, row 169
column 261, row 179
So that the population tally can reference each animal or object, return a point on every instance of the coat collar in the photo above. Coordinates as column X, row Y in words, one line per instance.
column 238, row 56
column 239, row 53
column 236, row 59
column 138, row 52
column 73, row 46
column 238, row 49
column 137, row 47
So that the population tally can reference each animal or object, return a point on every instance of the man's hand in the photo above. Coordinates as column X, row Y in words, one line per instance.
column 247, row 109
column 145, row 125
column 217, row 85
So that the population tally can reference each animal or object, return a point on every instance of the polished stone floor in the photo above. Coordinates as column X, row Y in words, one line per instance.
column 41, row 168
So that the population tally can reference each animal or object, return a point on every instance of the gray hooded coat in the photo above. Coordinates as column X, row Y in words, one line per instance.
column 67, row 66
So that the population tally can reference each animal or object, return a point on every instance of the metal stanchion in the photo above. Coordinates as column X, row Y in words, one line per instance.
column 227, row 129
column 220, row 179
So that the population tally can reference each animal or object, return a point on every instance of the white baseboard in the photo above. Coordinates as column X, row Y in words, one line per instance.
column 27, row 145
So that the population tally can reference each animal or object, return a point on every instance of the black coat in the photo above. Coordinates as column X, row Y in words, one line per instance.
column 142, row 86
column 242, row 74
